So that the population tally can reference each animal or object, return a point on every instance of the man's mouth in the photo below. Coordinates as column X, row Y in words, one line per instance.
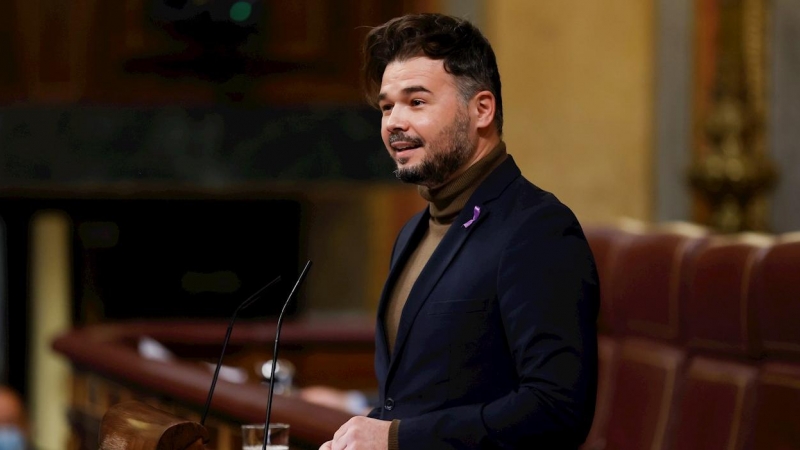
column 400, row 143
column 401, row 147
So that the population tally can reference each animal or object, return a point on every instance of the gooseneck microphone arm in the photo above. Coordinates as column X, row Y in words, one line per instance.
column 242, row 306
column 275, row 352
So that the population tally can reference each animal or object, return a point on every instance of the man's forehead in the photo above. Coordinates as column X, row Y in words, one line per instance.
column 418, row 71
column 417, row 62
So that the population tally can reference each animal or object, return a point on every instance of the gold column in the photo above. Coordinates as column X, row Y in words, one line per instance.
column 50, row 315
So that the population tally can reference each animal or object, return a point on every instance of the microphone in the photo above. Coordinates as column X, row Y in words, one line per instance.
column 275, row 352
column 250, row 300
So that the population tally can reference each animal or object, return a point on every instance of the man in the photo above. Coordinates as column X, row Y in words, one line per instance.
column 486, row 331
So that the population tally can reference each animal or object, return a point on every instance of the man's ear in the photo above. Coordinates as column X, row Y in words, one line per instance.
column 483, row 109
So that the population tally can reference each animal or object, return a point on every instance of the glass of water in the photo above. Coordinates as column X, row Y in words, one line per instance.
column 253, row 436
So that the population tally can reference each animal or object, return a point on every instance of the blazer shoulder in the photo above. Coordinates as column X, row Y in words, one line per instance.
column 532, row 199
column 540, row 212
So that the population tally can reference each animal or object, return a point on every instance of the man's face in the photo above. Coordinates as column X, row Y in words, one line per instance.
column 426, row 125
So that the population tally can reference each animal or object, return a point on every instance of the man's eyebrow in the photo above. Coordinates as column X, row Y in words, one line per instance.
column 406, row 91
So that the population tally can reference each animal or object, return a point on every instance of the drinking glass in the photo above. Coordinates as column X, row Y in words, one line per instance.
column 253, row 436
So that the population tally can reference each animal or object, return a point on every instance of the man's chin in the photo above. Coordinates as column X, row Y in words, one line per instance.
column 409, row 174
column 406, row 165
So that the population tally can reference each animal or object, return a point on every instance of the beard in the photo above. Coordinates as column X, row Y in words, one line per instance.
column 447, row 153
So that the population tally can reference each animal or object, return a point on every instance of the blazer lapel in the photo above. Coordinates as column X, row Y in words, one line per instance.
column 406, row 243
column 455, row 237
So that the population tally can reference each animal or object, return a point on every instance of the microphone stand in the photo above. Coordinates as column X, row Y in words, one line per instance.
column 250, row 300
column 275, row 353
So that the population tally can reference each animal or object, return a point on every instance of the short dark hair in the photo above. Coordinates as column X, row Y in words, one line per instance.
column 467, row 54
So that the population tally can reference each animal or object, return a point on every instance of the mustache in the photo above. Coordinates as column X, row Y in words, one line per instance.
column 395, row 137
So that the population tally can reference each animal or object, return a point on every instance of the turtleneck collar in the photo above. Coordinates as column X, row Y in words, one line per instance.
column 447, row 200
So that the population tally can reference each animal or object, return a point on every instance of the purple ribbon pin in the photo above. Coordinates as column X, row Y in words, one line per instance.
column 475, row 213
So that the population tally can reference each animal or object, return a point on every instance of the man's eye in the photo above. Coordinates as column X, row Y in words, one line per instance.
column 417, row 102
column 386, row 107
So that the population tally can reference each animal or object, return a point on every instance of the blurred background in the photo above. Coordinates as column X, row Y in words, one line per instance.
column 166, row 158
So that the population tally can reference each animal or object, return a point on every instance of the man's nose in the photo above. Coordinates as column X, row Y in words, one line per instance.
column 396, row 120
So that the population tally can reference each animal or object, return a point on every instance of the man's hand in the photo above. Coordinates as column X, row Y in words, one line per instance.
column 360, row 433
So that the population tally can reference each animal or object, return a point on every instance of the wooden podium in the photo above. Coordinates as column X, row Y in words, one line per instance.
column 121, row 400
column 136, row 426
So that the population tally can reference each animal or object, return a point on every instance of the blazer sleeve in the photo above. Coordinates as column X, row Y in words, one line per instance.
column 548, row 295
column 374, row 413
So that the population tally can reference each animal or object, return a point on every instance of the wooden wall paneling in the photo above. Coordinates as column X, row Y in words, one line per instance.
column 419, row 6
column 51, row 39
column 55, row 53
column 12, row 86
column 127, row 52
column 328, row 58
column 297, row 30
column 25, row 31
column 114, row 52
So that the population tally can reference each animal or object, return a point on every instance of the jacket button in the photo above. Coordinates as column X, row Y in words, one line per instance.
column 388, row 404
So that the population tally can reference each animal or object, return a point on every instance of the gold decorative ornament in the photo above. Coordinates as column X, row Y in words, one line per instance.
column 732, row 171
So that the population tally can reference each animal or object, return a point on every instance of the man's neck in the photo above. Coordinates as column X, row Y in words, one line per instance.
column 446, row 201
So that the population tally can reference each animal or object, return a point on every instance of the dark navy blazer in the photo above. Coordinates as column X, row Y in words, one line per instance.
column 497, row 342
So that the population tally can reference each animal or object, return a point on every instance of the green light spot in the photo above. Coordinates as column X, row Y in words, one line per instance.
column 240, row 11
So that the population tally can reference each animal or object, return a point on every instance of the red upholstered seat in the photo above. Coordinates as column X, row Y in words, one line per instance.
column 776, row 283
column 605, row 243
column 720, row 327
column 715, row 409
column 704, row 344
column 608, row 352
column 777, row 416
column 648, row 381
column 777, row 293
column 718, row 313
column 777, row 413
column 646, row 281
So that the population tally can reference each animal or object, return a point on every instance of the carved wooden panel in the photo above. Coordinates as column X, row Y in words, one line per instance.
column 152, row 52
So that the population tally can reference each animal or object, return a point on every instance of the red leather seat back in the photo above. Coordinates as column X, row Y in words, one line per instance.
column 777, row 412
column 648, row 381
column 605, row 243
column 715, row 409
column 718, row 313
column 608, row 353
column 777, row 293
column 646, row 283
column 719, row 324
